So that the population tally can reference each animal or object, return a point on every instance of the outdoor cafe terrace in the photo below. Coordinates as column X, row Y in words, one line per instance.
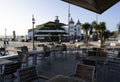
column 62, row 63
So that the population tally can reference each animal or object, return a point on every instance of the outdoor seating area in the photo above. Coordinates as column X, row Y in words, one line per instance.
column 51, row 62
column 36, row 48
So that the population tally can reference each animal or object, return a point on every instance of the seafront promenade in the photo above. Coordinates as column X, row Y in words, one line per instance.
column 11, row 47
column 14, row 44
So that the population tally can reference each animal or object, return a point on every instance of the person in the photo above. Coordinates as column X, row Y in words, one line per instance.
column 4, row 45
column 4, row 42
column 7, row 42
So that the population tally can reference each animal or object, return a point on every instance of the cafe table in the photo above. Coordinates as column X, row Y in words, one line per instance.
column 63, row 78
column 34, row 54
column 4, row 62
column 97, row 58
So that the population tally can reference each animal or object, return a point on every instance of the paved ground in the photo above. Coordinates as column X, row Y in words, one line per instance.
column 65, row 66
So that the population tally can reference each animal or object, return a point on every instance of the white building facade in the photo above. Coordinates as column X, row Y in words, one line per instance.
column 71, row 31
column 74, row 29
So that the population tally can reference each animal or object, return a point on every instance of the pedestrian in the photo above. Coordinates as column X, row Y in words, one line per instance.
column 7, row 42
column 4, row 45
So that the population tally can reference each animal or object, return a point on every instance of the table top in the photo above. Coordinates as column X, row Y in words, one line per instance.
column 62, row 78
column 97, row 58
column 35, row 52
column 5, row 61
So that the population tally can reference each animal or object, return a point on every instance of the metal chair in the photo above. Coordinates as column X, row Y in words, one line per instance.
column 92, row 53
column 3, row 52
column 29, row 74
column 112, row 71
column 46, row 53
column 89, row 62
column 9, row 69
column 24, row 49
column 23, row 58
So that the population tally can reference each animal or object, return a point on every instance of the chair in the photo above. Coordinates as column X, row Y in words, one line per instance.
column 89, row 62
column 63, row 78
column 3, row 52
column 24, row 49
column 92, row 53
column 112, row 71
column 118, row 54
column 101, row 49
column 102, row 54
column 23, row 58
column 29, row 74
column 9, row 69
column 46, row 52
column 92, row 63
column 64, row 49
column 85, row 72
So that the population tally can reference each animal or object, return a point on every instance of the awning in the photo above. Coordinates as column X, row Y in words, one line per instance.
column 98, row 6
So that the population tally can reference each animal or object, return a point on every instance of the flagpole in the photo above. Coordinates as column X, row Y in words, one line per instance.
column 69, row 21
column 33, row 22
column 97, row 18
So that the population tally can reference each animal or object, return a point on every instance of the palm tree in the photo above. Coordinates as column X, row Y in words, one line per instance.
column 95, row 28
column 118, row 28
column 102, row 32
column 86, row 27
column 94, row 24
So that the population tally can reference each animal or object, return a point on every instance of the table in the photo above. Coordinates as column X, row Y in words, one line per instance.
column 34, row 54
column 56, row 51
column 3, row 62
column 97, row 58
column 99, row 63
column 62, row 78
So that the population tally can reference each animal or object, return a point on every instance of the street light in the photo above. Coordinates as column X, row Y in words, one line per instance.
column 75, row 33
column 5, row 34
column 33, row 22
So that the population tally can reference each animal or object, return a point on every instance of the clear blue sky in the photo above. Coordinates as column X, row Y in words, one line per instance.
column 16, row 15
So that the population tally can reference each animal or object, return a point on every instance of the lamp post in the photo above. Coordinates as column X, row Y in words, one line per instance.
column 33, row 22
column 5, row 34
column 75, row 33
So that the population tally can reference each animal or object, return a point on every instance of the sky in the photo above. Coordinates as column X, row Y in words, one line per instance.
column 16, row 15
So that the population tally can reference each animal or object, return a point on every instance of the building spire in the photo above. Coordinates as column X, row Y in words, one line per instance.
column 78, row 23
column 71, row 21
